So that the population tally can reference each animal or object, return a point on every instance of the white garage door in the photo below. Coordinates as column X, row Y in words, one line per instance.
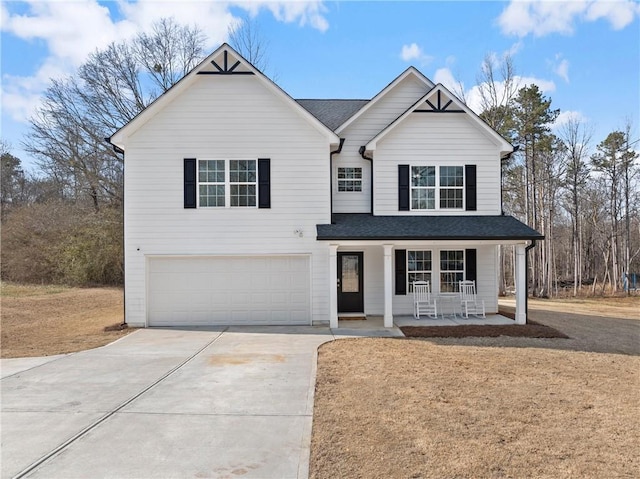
column 229, row 290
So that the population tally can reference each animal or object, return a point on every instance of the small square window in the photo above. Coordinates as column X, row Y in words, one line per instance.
column 349, row 179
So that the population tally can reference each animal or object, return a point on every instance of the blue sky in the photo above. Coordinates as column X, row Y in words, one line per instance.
column 583, row 54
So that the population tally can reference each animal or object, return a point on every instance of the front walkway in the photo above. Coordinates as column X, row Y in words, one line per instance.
column 373, row 326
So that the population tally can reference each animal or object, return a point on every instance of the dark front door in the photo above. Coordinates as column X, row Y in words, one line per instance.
column 350, row 281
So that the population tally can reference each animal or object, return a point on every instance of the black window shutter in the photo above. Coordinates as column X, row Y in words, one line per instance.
column 264, row 183
column 190, row 182
column 470, row 264
column 470, row 187
column 401, row 271
column 403, row 188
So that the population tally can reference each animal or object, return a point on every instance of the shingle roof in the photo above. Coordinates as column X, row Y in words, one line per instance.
column 358, row 226
column 332, row 113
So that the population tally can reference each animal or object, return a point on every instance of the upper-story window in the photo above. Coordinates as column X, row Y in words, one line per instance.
column 349, row 179
column 224, row 183
column 437, row 187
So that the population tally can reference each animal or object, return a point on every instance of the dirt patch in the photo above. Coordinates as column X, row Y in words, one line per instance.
column 531, row 330
column 409, row 408
column 47, row 320
column 237, row 359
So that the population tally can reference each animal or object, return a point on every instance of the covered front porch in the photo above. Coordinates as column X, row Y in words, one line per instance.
column 374, row 261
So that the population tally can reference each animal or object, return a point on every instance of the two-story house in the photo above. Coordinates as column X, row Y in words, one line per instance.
column 245, row 206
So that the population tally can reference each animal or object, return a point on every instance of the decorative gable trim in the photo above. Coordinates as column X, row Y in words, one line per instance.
column 409, row 71
column 439, row 107
column 504, row 145
column 119, row 138
column 225, row 69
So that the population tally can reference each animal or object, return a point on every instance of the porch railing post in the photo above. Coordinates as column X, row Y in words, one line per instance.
column 388, row 286
column 333, row 285
column 521, row 285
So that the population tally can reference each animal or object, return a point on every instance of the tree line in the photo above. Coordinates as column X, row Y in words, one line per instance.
column 63, row 223
column 583, row 197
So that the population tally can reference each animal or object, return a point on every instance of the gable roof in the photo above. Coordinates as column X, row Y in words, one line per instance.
column 217, row 63
column 458, row 107
column 332, row 113
column 408, row 72
column 364, row 226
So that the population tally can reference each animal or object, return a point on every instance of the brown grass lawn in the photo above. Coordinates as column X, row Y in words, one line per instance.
column 481, row 407
column 47, row 320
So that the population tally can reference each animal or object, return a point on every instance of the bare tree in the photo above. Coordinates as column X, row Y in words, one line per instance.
column 247, row 38
column 498, row 87
column 111, row 88
column 576, row 138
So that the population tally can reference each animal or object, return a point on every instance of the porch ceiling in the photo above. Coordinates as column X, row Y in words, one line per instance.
column 358, row 226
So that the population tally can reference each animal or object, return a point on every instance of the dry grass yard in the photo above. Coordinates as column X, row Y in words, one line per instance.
column 405, row 408
column 47, row 320
column 503, row 407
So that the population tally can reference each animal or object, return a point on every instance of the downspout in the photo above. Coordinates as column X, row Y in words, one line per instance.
column 331, row 176
column 119, row 150
column 526, row 277
column 362, row 151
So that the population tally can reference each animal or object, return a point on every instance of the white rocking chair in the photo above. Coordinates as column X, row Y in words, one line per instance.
column 470, row 304
column 423, row 302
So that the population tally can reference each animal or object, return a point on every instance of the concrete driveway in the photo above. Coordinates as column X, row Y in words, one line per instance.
column 164, row 403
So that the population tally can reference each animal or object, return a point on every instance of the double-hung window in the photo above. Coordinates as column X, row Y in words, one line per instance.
column 418, row 267
column 437, row 187
column 451, row 185
column 451, row 270
column 224, row 183
column 349, row 179
column 423, row 187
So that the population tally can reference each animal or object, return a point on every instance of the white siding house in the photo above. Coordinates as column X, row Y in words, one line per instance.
column 244, row 206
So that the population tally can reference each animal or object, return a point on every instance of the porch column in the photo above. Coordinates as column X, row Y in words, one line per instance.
column 521, row 285
column 333, row 286
column 388, row 286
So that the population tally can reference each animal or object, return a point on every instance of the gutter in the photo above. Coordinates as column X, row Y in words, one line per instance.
column 116, row 148
column 331, row 153
column 526, row 276
column 362, row 151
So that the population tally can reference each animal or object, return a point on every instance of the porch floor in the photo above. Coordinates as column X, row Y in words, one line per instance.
column 374, row 325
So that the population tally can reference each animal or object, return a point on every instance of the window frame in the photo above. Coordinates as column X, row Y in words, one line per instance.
column 228, row 184
column 421, row 272
column 446, row 271
column 354, row 180
column 437, row 189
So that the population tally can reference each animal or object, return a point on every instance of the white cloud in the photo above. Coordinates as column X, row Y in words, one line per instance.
column 71, row 30
column 563, row 70
column 474, row 96
column 566, row 116
column 444, row 76
column 542, row 17
column 304, row 12
column 414, row 52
